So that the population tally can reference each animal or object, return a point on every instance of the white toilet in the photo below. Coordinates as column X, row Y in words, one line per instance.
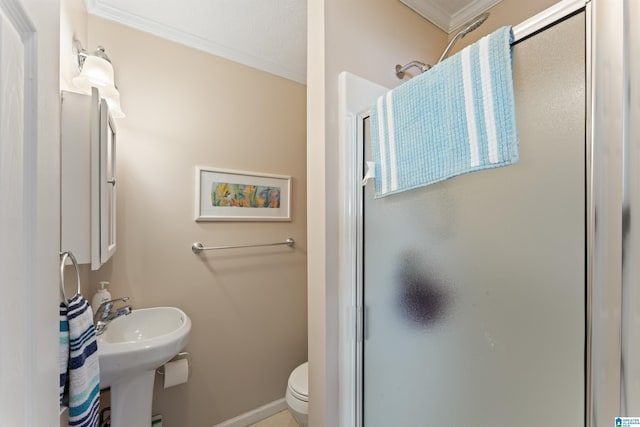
column 297, row 396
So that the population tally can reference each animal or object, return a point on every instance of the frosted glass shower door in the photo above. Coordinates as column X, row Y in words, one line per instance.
column 474, row 288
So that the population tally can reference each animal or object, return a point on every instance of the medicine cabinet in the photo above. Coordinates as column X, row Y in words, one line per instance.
column 88, row 178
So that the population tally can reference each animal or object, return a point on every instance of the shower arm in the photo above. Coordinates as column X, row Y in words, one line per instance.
column 400, row 69
column 468, row 27
column 453, row 41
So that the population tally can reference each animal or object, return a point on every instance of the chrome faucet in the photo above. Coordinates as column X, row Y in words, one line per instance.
column 104, row 314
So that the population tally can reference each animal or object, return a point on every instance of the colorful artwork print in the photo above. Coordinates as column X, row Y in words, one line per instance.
column 224, row 194
column 234, row 195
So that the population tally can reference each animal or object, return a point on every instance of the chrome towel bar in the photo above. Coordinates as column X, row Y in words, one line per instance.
column 198, row 247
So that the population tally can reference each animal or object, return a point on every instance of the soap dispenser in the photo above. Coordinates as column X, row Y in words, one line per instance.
column 101, row 296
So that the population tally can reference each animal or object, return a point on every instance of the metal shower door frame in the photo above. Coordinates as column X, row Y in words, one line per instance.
column 604, row 133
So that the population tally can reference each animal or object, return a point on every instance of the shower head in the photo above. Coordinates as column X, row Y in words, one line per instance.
column 466, row 29
column 473, row 24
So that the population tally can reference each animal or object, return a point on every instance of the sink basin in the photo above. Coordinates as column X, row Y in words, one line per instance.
column 130, row 350
column 145, row 339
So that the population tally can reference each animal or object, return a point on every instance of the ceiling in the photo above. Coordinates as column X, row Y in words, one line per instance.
column 270, row 35
column 450, row 14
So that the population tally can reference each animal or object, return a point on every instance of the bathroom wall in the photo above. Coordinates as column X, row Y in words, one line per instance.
column 248, row 307
column 73, row 24
column 367, row 38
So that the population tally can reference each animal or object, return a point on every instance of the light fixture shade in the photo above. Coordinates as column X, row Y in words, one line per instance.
column 112, row 96
column 96, row 72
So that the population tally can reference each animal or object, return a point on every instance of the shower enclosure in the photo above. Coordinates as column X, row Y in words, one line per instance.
column 493, row 299
column 474, row 288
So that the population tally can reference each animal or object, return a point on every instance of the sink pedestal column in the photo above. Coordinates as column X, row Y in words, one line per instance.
column 131, row 400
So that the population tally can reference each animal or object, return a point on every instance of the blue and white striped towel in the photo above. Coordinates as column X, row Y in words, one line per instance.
column 456, row 118
column 84, row 371
column 64, row 349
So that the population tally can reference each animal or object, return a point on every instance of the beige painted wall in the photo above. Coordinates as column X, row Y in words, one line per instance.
column 367, row 38
column 248, row 307
column 73, row 24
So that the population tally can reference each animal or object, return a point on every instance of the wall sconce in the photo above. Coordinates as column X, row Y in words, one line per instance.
column 96, row 70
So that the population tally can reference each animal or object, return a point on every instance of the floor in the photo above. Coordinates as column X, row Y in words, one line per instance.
column 281, row 419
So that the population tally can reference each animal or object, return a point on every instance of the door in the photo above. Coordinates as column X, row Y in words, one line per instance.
column 29, row 212
column 474, row 289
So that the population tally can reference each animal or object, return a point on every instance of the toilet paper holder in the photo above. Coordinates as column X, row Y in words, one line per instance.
column 179, row 356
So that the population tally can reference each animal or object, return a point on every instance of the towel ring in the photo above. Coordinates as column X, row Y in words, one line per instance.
column 63, row 262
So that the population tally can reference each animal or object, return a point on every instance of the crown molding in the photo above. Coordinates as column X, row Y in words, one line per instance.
column 432, row 11
column 97, row 8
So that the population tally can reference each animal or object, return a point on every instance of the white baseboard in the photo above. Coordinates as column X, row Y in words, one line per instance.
column 255, row 415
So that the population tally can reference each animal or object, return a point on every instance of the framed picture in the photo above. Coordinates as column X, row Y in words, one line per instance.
column 232, row 195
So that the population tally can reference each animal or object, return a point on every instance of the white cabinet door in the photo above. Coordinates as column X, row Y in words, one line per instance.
column 88, row 179
column 107, row 185
column 76, row 185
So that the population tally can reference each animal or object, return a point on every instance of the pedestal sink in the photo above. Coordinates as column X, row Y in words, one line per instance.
column 130, row 350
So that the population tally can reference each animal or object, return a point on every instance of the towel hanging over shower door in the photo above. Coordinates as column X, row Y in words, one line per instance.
column 456, row 118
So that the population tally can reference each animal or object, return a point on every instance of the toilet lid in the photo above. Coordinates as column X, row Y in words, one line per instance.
column 299, row 382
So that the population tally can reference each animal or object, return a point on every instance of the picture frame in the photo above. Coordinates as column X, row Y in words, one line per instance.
column 235, row 195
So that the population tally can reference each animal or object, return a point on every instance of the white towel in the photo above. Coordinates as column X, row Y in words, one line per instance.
column 84, row 371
